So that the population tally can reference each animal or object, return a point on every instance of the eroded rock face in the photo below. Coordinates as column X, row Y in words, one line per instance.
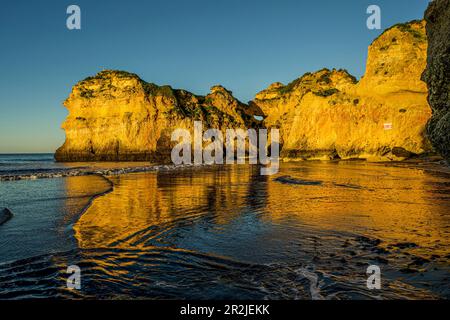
column 323, row 115
column 116, row 116
column 328, row 114
column 437, row 74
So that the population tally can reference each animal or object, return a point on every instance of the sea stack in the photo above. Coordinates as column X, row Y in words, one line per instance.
column 437, row 75
column 117, row 116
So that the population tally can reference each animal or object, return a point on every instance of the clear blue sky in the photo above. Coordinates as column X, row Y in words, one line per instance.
column 243, row 45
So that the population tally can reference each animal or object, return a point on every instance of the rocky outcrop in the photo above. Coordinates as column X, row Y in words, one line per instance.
column 323, row 115
column 437, row 74
column 5, row 215
column 116, row 116
column 329, row 114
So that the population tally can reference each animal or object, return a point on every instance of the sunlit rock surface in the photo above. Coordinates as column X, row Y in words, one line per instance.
column 116, row 116
column 329, row 114
column 323, row 115
column 437, row 74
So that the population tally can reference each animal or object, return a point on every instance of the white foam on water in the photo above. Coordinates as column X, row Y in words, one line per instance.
column 313, row 279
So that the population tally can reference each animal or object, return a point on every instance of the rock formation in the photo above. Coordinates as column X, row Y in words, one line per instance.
column 5, row 215
column 116, row 116
column 323, row 115
column 328, row 114
column 437, row 74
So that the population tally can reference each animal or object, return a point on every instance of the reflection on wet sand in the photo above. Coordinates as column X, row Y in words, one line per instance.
column 336, row 218
column 396, row 205
column 158, row 201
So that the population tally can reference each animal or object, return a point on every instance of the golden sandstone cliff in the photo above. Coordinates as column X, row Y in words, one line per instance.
column 323, row 115
column 328, row 114
column 116, row 116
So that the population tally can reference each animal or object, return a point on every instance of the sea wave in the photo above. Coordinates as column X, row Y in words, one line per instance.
column 33, row 174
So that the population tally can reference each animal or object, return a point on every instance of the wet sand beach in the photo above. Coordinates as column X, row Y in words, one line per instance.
column 309, row 232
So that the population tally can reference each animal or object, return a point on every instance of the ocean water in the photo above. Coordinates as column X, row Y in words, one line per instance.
column 21, row 163
column 226, row 232
column 44, row 214
column 32, row 166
